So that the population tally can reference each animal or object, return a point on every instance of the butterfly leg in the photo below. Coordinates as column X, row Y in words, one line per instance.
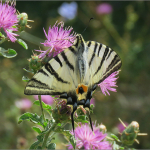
column 72, row 102
column 72, row 119
column 87, row 105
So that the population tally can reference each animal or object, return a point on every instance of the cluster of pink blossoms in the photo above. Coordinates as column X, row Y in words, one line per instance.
column 58, row 39
column 8, row 20
column 88, row 139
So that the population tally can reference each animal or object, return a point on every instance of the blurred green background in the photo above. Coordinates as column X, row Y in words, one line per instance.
column 125, row 28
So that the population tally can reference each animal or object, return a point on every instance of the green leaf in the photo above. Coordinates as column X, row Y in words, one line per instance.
column 45, row 106
column 40, row 137
column 1, row 34
column 25, row 79
column 72, row 141
column 115, row 146
column 10, row 53
column 38, row 130
column 34, row 145
column 39, row 147
column 69, row 136
column 51, row 146
column 32, row 117
column 59, row 124
column 21, row 42
column 115, row 137
column 28, row 70
column 82, row 119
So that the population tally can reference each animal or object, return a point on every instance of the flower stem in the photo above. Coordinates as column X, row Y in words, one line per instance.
column 52, row 129
column 39, row 96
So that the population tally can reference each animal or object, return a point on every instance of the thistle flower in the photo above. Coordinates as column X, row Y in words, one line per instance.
column 121, row 127
column 86, row 139
column 109, row 83
column 58, row 39
column 46, row 99
column 8, row 19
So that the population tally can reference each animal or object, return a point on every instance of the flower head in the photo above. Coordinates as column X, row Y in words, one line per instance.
column 23, row 104
column 104, row 8
column 67, row 10
column 86, row 139
column 109, row 83
column 46, row 99
column 8, row 19
column 58, row 39
column 121, row 127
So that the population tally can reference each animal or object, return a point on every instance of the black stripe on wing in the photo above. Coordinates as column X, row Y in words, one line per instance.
column 103, row 58
column 43, row 72
column 99, row 49
column 115, row 60
column 34, row 81
column 66, row 60
column 58, row 60
column 110, row 72
column 72, row 50
column 93, row 55
column 109, row 53
column 89, row 43
column 50, row 69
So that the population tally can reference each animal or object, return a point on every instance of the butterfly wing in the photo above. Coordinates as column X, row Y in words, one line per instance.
column 103, row 61
column 56, row 77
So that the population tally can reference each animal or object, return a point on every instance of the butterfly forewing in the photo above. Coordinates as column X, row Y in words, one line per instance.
column 103, row 61
column 56, row 77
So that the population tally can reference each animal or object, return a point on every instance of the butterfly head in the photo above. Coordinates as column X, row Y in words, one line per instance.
column 79, row 41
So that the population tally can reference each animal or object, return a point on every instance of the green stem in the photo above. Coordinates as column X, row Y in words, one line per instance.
column 39, row 96
column 52, row 129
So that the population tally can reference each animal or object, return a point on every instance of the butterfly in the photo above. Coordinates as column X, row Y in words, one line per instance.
column 75, row 72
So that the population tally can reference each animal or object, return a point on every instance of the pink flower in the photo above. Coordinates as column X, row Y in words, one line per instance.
column 92, row 101
column 108, row 83
column 58, row 39
column 86, row 139
column 8, row 19
column 121, row 127
column 23, row 104
column 46, row 99
column 104, row 8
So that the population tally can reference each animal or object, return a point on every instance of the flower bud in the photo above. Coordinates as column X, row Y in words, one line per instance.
column 130, row 133
column 102, row 128
column 23, row 17
column 35, row 63
column 62, row 112
column 45, row 60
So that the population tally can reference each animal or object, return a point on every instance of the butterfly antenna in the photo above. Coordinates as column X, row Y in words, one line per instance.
column 88, row 24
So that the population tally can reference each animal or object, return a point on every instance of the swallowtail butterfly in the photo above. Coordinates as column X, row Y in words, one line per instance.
column 75, row 72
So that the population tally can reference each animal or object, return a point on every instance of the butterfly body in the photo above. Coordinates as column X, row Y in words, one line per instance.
column 75, row 72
